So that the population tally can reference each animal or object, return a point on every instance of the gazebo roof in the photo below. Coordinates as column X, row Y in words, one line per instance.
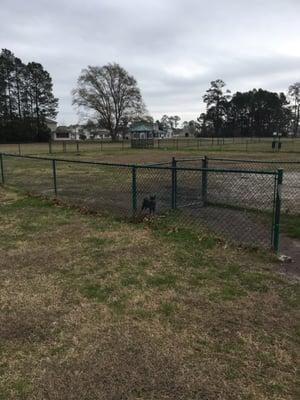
column 141, row 127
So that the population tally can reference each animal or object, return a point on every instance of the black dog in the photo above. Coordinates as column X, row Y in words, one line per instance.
column 149, row 203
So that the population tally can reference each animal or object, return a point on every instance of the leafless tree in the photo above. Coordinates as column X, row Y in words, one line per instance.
column 112, row 93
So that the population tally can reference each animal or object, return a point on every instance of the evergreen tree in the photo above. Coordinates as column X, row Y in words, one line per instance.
column 253, row 113
column 26, row 100
column 217, row 102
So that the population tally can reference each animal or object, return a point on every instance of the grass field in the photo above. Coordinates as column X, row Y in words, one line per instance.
column 190, row 145
column 110, row 189
column 96, row 308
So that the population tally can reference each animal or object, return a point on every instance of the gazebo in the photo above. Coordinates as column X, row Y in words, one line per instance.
column 142, row 135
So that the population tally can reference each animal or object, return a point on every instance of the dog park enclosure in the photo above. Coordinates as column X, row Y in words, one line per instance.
column 242, row 204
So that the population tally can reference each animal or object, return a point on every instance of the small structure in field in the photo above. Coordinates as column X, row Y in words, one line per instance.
column 142, row 135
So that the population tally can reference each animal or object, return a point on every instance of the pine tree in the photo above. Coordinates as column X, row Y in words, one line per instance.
column 26, row 99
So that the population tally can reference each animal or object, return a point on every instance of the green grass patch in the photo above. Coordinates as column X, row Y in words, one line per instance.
column 227, row 292
column 96, row 292
column 161, row 280
column 25, row 202
column 22, row 387
column 129, row 279
column 167, row 309
column 290, row 225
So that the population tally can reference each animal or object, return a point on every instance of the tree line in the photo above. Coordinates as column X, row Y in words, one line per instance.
column 256, row 112
column 111, row 96
column 114, row 96
column 26, row 100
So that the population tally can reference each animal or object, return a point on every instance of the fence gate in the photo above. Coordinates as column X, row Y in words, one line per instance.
column 243, row 205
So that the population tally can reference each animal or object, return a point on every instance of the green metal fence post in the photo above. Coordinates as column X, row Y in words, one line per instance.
column 54, row 176
column 204, row 180
column 77, row 147
column 134, row 192
column 50, row 146
column 277, row 209
column 174, row 183
column 19, row 148
column 2, row 169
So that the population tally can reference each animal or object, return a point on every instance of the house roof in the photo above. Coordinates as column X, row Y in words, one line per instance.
column 50, row 121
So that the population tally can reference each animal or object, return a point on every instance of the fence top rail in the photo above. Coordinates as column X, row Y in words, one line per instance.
column 158, row 164
column 190, row 159
column 255, row 161
column 216, row 170
column 234, row 160
column 200, row 158
column 143, row 166
column 67, row 160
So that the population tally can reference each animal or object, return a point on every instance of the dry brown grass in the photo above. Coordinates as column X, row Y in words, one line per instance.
column 93, row 308
column 113, row 152
column 161, row 155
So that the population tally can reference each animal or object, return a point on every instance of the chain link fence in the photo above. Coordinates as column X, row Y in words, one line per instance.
column 243, row 205
column 290, row 186
column 232, row 144
column 291, row 183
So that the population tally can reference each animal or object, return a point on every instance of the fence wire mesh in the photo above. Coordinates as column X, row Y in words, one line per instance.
column 291, row 184
column 176, row 143
column 239, row 204
column 34, row 176
column 94, row 186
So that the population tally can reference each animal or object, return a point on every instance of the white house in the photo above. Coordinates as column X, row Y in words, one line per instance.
column 79, row 132
column 62, row 133
column 51, row 124
column 168, row 133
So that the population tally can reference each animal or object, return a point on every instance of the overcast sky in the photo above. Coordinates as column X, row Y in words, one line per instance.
column 174, row 48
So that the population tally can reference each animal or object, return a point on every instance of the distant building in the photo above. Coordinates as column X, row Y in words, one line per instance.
column 183, row 132
column 142, row 130
column 147, row 130
column 51, row 124
column 142, row 135
column 166, row 133
column 62, row 133
column 79, row 132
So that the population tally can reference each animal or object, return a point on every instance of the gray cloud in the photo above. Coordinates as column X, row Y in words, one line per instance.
column 174, row 48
